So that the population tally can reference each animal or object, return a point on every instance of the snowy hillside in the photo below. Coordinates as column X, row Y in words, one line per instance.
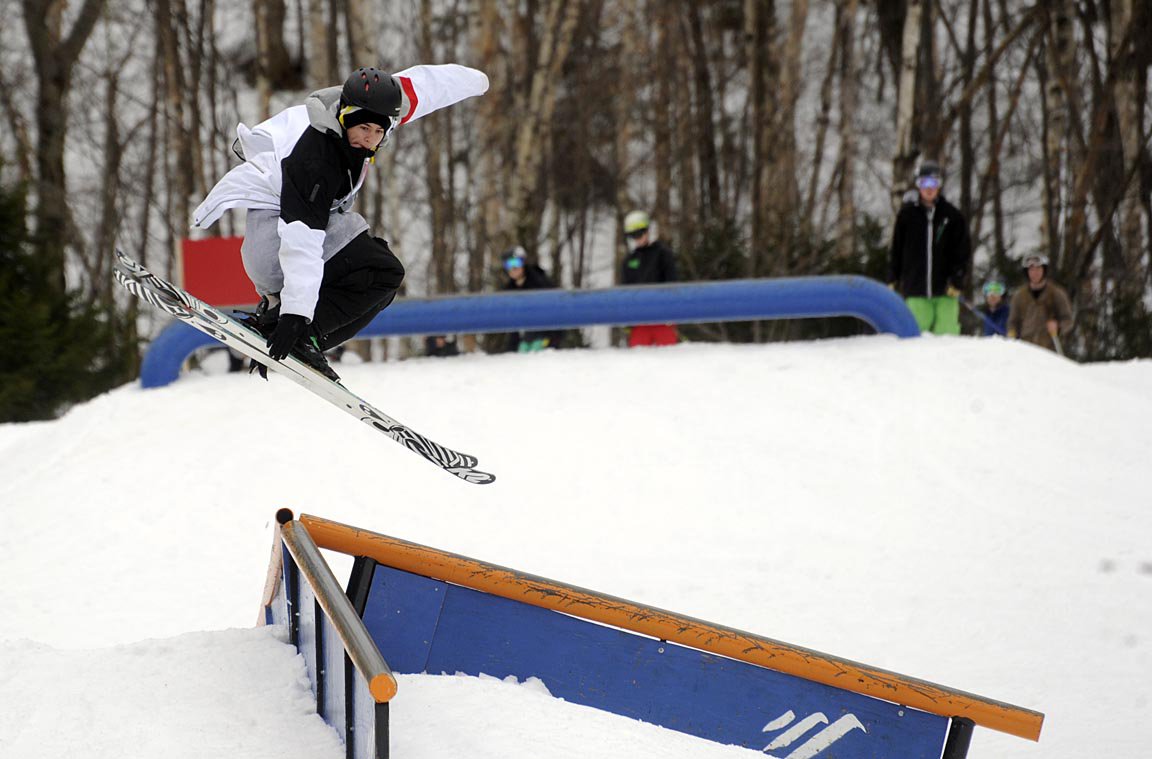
column 971, row 512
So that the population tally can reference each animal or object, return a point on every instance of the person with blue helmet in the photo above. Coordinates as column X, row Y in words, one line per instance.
column 520, row 274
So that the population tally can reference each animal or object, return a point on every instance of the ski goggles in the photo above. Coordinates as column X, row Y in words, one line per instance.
column 515, row 262
column 928, row 183
column 994, row 288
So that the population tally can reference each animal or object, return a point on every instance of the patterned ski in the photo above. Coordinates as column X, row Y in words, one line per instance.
column 186, row 307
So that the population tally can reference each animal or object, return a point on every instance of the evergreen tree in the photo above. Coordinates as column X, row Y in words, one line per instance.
column 53, row 351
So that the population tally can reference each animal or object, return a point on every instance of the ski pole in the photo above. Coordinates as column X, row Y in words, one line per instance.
column 995, row 327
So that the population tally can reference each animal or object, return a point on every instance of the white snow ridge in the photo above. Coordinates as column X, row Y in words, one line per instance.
column 971, row 512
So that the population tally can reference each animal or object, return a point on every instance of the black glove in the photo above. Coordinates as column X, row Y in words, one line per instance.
column 289, row 329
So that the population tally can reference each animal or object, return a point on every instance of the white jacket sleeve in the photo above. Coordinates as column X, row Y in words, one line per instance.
column 302, row 259
column 430, row 88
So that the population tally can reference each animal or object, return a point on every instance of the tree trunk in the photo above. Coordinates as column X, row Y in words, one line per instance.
column 967, row 140
column 273, row 64
column 363, row 26
column 906, row 151
column 109, row 224
column 536, row 117
column 846, row 222
column 785, row 201
column 759, row 20
column 663, row 68
column 1129, row 116
column 321, row 72
column 436, row 147
column 18, row 128
column 1000, row 252
column 710, row 205
column 55, row 57
column 180, row 144
column 929, row 132
column 491, row 139
column 623, row 113
column 1059, row 61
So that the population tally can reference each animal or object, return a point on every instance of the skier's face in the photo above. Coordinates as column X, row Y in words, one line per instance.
column 366, row 136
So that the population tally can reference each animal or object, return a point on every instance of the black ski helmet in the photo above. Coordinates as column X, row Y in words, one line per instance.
column 370, row 96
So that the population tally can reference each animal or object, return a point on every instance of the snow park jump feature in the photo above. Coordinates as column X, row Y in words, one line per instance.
column 695, row 302
column 432, row 612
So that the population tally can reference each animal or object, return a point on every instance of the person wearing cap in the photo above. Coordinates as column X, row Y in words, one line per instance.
column 321, row 275
column 930, row 253
column 995, row 310
column 1041, row 313
column 522, row 275
column 649, row 261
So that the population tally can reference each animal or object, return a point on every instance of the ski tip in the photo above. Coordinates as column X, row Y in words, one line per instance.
column 475, row 476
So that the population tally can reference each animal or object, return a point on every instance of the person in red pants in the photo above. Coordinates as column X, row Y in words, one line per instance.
column 649, row 261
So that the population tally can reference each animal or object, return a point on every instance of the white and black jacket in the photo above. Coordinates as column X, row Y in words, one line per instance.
column 299, row 165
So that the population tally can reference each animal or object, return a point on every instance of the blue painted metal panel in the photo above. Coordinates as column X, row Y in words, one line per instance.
column 730, row 300
column 680, row 688
column 401, row 615
column 276, row 612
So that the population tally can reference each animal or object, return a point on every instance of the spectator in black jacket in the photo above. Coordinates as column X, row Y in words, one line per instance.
column 522, row 275
column 930, row 254
column 649, row 261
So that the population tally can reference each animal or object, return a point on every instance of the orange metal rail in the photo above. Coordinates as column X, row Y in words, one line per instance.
column 665, row 625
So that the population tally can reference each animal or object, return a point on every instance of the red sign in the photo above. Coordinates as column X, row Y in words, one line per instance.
column 214, row 272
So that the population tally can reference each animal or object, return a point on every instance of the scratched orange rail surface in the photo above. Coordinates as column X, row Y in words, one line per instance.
column 665, row 625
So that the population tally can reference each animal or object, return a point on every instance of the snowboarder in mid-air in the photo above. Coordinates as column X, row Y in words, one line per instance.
column 321, row 275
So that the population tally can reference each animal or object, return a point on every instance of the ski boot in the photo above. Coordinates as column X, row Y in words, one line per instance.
column 307, row 348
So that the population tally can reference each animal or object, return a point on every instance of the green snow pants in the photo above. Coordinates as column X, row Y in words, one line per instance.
column 939, row 315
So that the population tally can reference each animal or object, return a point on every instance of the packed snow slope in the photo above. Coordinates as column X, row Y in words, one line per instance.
column 971, row 512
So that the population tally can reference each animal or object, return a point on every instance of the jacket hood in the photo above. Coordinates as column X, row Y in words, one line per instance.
column 322, row 107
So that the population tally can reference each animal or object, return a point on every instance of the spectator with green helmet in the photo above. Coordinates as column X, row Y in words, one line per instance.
column 649, row 261
column 995, row 310
column 930, row 253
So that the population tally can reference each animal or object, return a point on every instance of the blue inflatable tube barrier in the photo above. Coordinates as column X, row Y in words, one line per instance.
column 682, row 303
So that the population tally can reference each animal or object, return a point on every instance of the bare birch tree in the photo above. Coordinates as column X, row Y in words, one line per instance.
column 906, row 152
column 1058, row 64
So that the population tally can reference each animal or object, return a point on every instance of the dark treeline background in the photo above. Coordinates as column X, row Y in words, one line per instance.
column 767, row 139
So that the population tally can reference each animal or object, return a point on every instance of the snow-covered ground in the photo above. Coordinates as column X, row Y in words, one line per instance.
column 971, row 512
